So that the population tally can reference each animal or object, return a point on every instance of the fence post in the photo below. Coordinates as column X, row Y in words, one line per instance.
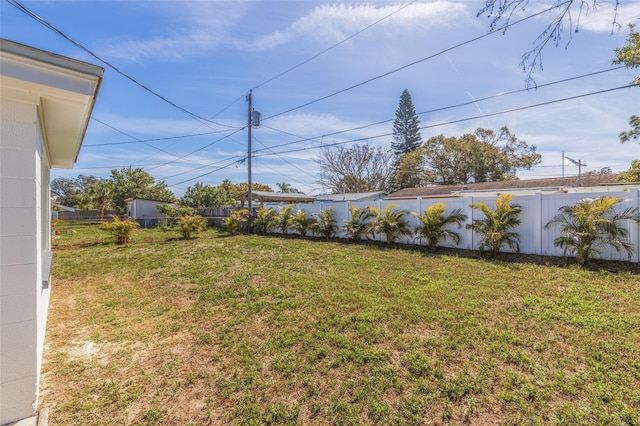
column 471, row 210
column 637, row 224
column 539, row 232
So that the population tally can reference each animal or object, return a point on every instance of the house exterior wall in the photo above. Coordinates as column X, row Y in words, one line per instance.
column 24, row 256
column 146, row 211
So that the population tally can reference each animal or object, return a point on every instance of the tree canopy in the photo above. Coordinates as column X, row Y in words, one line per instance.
column 225, row 194
column 406, row 126
column 129, row 183
column 483, row 156
column 360, row 168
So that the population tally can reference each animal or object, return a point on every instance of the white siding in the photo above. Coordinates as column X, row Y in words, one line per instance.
column 20, row 252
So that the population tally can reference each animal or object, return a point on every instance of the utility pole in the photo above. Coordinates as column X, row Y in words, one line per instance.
column 249, row 125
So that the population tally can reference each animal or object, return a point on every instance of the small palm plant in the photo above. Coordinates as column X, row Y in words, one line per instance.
column 390, row 222
column 325, row 224
column 285, row 217
column 233, row 223
column 265, row 220
column 302, row 222
column 497, row 226
column 592, row 224
column 433, row 224
column 122, row 230
column 358, row 223
column 191, row 225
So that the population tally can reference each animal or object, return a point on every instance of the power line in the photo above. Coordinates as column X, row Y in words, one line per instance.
column 388, row 73
column 50, row 26
column 449, row 122
column 333, row 46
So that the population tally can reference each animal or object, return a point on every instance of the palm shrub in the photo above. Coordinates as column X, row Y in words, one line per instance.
column 497, row 226
column 285, row 218
column 302, row 222
column 234, row 222
column 358, row 222
column 433, row 224
column 592, row 224
column 390, row 222
column 122, row 230
column 324, row 224
column 191, row 225
column 265, row 220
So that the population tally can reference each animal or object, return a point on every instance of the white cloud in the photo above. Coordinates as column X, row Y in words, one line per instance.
column 335, row 22
column 206, row 25
column 195, row 27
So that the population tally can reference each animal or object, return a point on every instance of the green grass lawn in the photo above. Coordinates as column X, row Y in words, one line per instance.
column 268, row 330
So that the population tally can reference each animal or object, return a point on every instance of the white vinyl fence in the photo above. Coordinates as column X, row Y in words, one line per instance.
column 537, row 210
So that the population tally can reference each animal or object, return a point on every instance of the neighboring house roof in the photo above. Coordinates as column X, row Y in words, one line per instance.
column 148, row 199
column 513, row 185
column 283, row 197
column 64, row 208
column 64, row 89
column 355, row 196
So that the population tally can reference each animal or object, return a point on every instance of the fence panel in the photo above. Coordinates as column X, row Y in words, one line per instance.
column 537, row 210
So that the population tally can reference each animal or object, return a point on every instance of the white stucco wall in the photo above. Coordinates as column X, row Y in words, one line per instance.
column 23, row 301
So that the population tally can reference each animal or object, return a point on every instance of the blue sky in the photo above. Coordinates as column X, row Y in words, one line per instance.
column 204, row 56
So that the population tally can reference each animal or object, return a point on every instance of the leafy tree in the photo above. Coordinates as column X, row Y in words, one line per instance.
column 501, row 13
column 390, row 223
column 631, row 175
column 64, row 191
column 630, row 57
column 630, row 54
column 129, row 183
column 484, row 156
column 324, row 224
column 100, row 191
column 592, row 224
column 434, row 221
column 265, row 220
column 410, row 170
column 285, row 218
column 74, row 192
column 287, row 188
column 634, row 133
column 406, row 126
column 497, row 226
column 359, row 221
column 201, row 195
column 302, row 222
column 360, row 168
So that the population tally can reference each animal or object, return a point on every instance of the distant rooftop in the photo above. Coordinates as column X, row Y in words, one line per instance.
column 548, row 183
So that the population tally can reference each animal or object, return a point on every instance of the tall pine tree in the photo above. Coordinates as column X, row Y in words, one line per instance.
column 406, row 131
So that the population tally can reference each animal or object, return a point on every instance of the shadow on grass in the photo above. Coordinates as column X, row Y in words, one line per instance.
column 594, row 265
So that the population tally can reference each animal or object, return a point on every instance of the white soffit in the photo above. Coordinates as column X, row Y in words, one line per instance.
column 64, row 90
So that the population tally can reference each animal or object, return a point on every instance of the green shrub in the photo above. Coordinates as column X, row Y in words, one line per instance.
column 325, row 224
column 591, row 225
column 265, row 220
column 122, row 230
column 233, row 224
column 191, row 225
column 433, row 222
column 497, row 227
column 358, row 223
column 390, row 223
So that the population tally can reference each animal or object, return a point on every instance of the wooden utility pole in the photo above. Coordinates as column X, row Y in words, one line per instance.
column 249, row 125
